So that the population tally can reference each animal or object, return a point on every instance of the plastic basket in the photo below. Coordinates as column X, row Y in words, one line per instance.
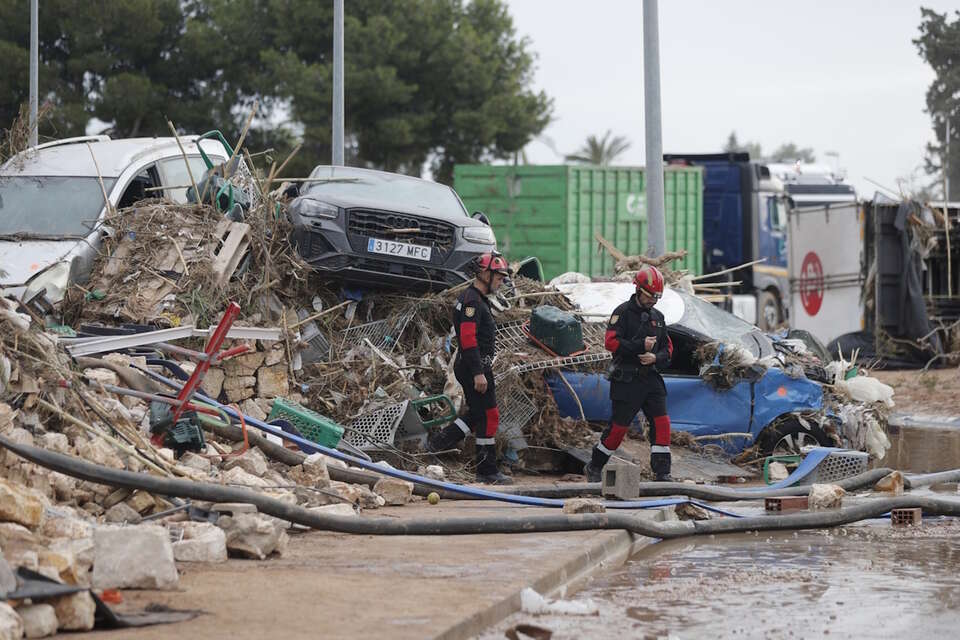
column 313, row 426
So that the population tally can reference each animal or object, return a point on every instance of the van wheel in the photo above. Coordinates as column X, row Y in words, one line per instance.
column 769, row 313
column 790, row 437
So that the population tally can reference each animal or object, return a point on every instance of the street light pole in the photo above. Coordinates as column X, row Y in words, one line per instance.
column 34, row 60
column 337, row 139
column 656, row 224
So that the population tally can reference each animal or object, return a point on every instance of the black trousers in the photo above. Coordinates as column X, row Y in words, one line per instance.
column 648, row 394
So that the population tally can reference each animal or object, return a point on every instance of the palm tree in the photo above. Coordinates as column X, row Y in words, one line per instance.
column 601, row 151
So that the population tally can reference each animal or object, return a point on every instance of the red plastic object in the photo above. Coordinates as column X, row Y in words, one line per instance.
column 213, row 346
column 111, row 596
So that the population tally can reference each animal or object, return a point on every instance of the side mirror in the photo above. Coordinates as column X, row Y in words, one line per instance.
column 481, row 216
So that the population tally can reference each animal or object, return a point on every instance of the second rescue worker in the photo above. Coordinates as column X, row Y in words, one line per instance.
column 637, row 337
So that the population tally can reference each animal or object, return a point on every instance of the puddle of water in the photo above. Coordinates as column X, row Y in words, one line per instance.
column 919, row 448
column 867, row 581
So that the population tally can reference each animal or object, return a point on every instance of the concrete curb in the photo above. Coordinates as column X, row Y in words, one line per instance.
column 607, row 550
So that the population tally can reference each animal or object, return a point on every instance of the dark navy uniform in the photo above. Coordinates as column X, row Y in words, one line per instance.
column 476, row 329
column 635, row 386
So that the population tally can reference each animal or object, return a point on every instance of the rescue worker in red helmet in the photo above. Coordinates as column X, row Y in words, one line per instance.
column 637, row 337
column 473, row 367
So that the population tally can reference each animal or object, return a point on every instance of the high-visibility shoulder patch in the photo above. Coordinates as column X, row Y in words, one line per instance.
column 469, row 311
column 614, row 318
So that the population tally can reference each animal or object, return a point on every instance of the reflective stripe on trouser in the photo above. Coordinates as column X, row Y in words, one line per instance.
column 450, row 436
column 482, row 412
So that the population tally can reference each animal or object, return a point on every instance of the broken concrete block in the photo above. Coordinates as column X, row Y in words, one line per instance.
column 251, row 409
column 340, row 509
column 64, row 486
column 54, row 441
column 395, row 492
column 312, row 472
column 121, row 513
column 20, row 504
column 75, row 612
column 777, row 471
column 237, row 475
column 252, row 461
column 252, row 535
column 891, row 483
column 82, row 551
column 212, row 383
column 64, row 522
column 825, row 496
column 39, row 620
column 202, row 542
column 690, row 511
column 66, row 567
column 11, row 626
column 99, row 375
column 276, row 354
column 583, row 505
column 141, row 502
column 239, row 388
column 6, row 416
column 272, row 381
column 432, row 471
column 358, row 494
column 8, row 581
column 116, row 497
column 244, row 365
column 195, row 461
column 99, row 452
column 621, row 480
column 139, row 557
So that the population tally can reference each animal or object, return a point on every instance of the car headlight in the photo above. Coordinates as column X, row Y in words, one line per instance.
column 55, row 280
column 316, row 209
column 483, row 235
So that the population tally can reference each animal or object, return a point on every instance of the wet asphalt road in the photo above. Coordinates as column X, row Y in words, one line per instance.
column 865, row 581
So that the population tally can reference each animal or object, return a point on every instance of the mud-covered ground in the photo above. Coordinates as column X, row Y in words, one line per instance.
column 865, row 581
column 936, row 391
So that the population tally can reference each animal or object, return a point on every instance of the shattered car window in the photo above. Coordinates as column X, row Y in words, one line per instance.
column 343, row 183
column 713, row 323
column 50, row 206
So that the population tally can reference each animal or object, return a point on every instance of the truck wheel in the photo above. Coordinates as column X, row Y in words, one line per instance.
column 769, row 314
column 790, row 437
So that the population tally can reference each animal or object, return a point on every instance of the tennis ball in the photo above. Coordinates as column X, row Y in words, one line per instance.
column 433, row 497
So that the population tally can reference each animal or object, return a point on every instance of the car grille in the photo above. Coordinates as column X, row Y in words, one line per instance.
column 383, row 224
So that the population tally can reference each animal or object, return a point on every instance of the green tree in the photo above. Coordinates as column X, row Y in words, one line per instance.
column 130, row 63
column 434, row 82
column 600, row 151
column 939, row 46
column 734, row 145
column 787, row 152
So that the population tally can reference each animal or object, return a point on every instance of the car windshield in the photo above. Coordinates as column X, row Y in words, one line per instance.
column 387, row 187
column 50, row 206
column 716, row 324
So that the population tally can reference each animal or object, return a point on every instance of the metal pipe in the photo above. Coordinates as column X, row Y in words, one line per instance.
column 337, row 139
column 656, row 224
column 34, row 70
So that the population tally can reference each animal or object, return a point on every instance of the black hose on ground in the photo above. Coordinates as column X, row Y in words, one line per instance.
column 927, row 479
column 81, row 469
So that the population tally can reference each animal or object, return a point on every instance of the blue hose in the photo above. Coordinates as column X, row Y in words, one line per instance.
column 473, row 492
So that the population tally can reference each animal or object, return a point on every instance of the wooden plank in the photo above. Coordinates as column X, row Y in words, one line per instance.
column 233, row 239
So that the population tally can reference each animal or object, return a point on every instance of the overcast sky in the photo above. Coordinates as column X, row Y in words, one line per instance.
column 839, row 76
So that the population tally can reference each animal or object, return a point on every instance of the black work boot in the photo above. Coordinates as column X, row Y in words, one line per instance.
column 660, row 465
column 487, row 471
column 448, row 437
column 594, row 469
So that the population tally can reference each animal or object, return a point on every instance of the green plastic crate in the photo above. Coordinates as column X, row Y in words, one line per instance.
column 314, row 427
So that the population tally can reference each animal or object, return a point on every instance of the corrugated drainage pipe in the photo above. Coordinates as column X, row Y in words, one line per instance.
column 81, row 469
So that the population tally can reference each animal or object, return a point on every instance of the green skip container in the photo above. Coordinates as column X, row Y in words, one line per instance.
column 552, row 212
column 313, row 426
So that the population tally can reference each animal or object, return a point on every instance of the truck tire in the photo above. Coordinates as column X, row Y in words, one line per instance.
column 789, row 437
column 769, row 311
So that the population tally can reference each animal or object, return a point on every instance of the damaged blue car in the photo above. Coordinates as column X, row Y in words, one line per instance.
column 736, row 407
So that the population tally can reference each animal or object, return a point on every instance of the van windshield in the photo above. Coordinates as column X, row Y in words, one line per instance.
column 50, row 206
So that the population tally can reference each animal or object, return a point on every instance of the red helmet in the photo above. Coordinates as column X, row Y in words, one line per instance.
column 494, row 262
column 649, row 279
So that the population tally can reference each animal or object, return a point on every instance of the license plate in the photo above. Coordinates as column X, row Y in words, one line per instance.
column 398, row 249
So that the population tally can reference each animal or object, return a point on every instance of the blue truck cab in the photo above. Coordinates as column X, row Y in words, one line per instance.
column 745, row 206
